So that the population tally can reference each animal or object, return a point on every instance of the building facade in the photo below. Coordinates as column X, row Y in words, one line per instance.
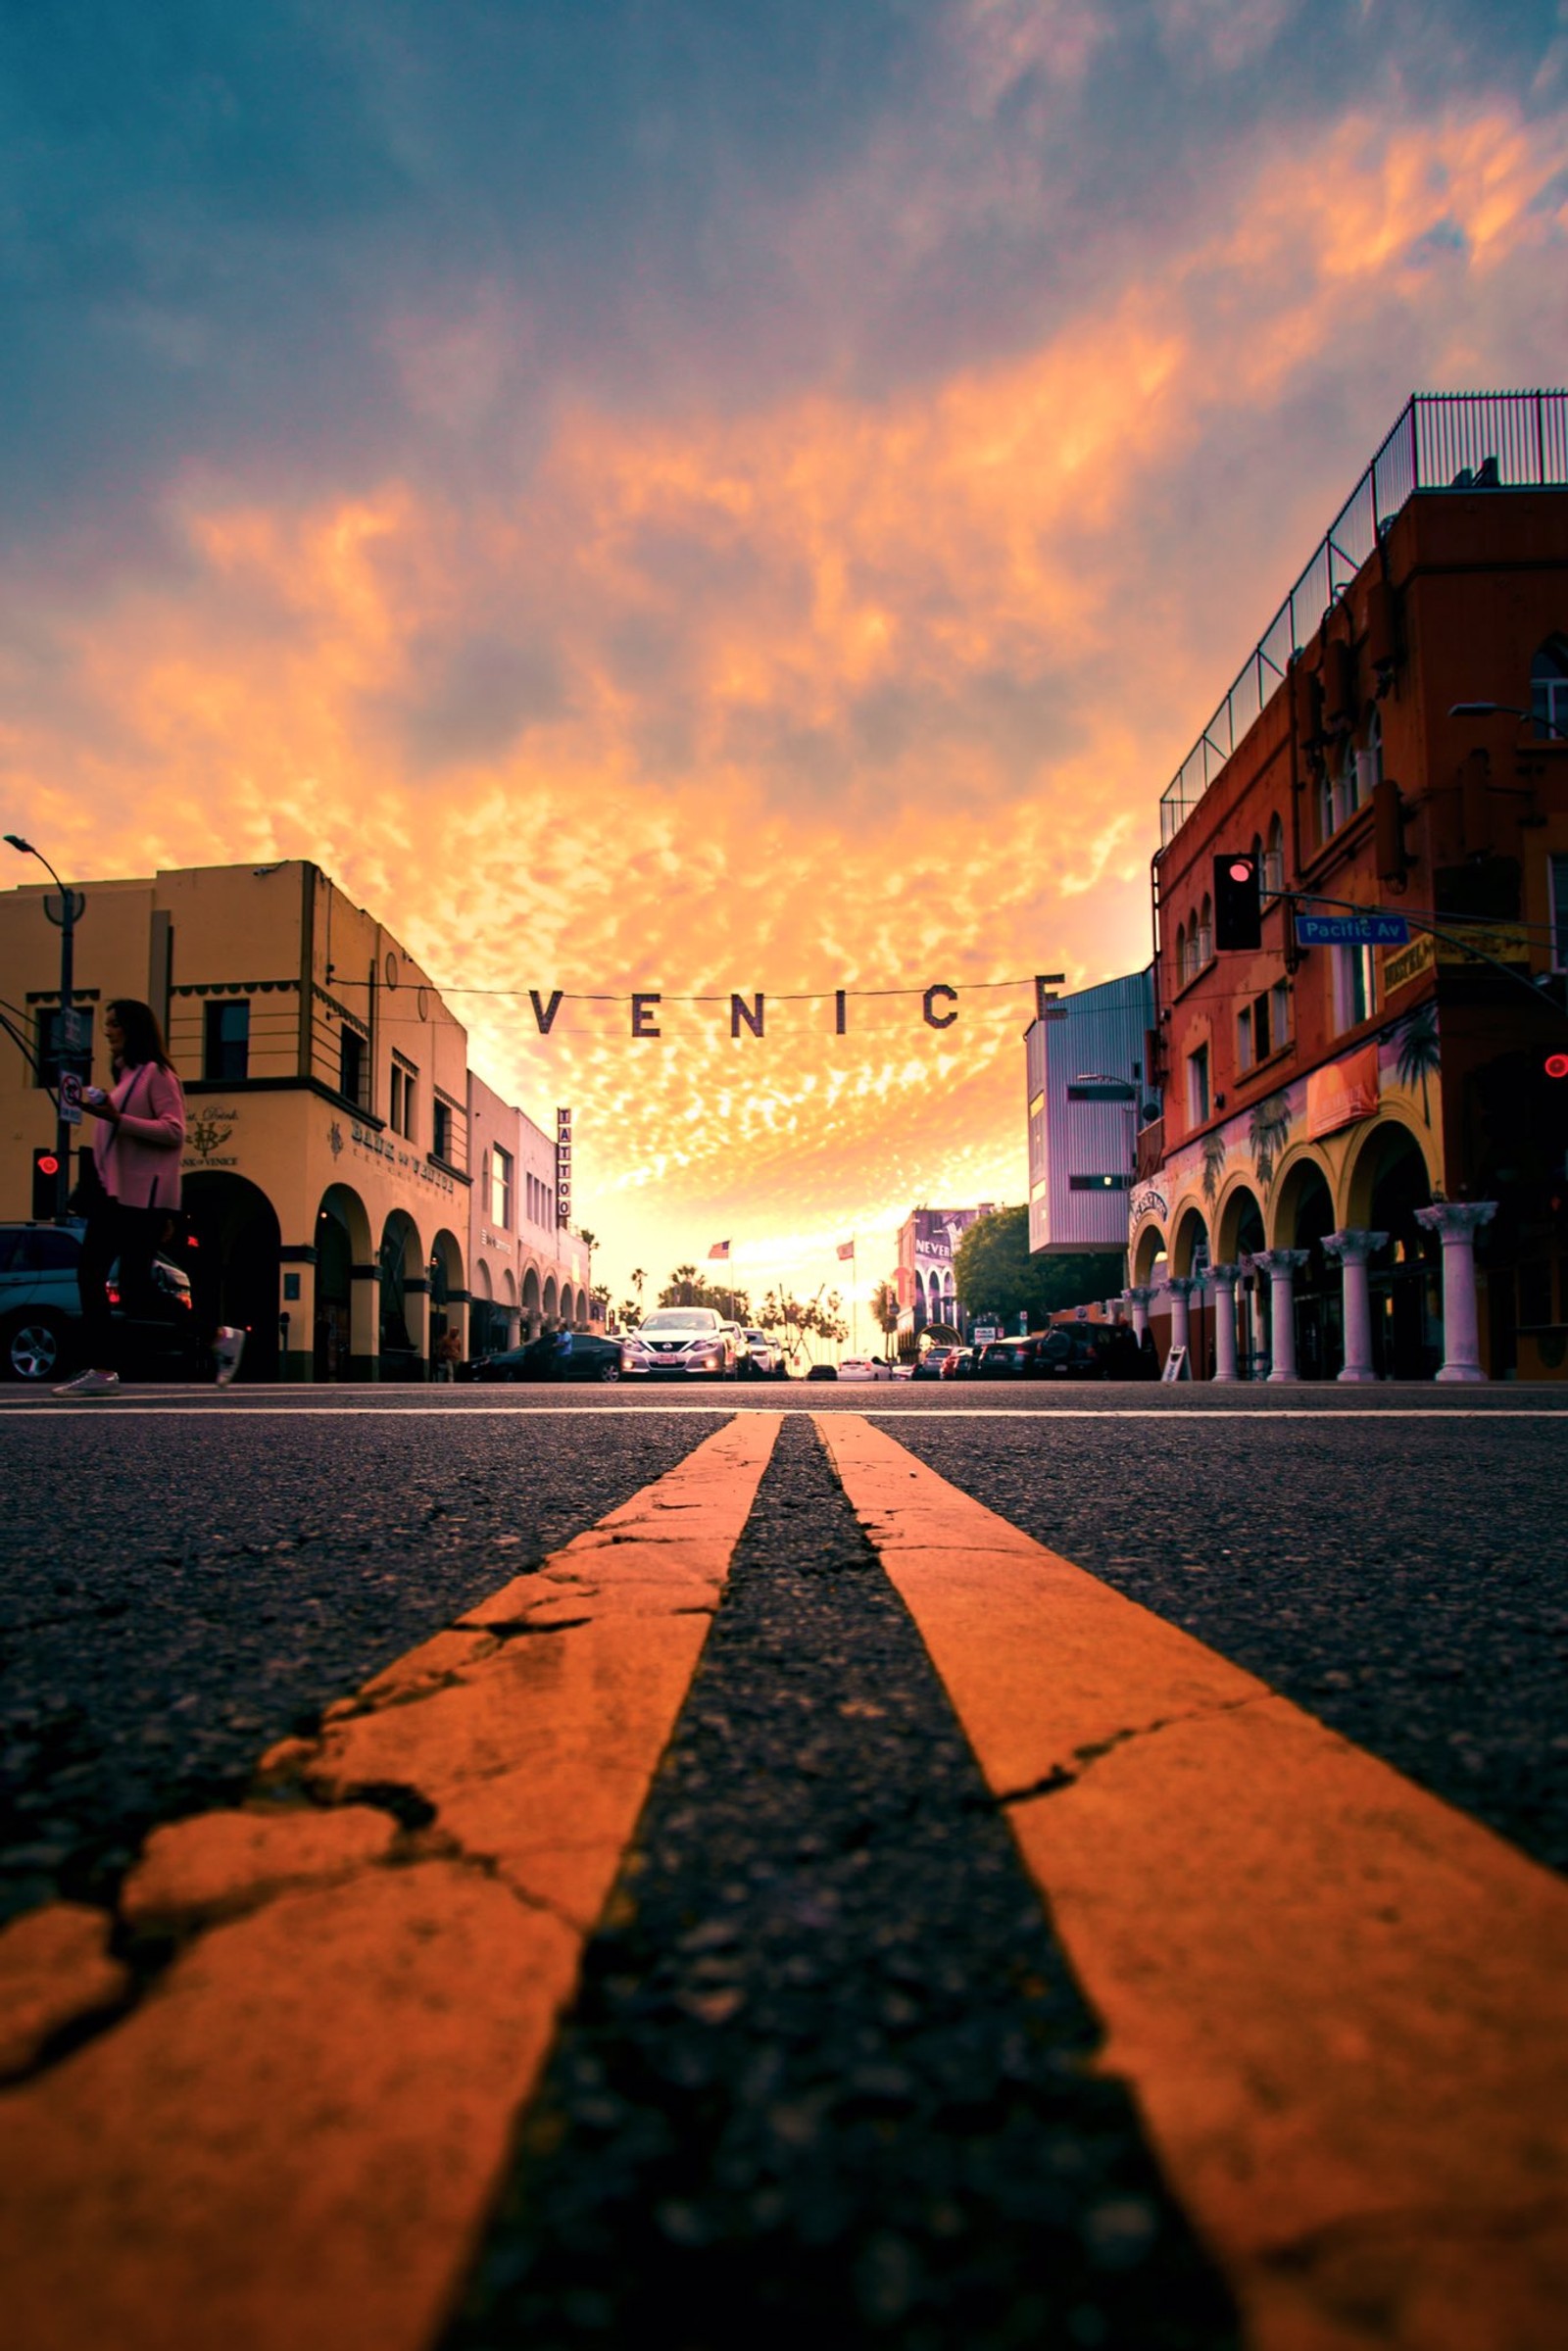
column 1359, row 1171
column 340, row 1169
column 1088, row 1097
column 928, row 1243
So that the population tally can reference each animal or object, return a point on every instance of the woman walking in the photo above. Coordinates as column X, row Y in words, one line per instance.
column 135, row 1159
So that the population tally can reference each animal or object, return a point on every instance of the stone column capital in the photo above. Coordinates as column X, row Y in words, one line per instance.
column 1352, row 1248
column 1184, row 1284
column 1224, row 1277
column 1139, row 1294
column 1456, row 1219
column 1281, row 1263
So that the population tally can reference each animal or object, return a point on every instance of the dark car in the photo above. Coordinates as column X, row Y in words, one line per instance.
column 40, row 1311
column 930, row 1365
column 823, row 1371
column 589, row 1359
column 960, row 1363
column 1067, row 1352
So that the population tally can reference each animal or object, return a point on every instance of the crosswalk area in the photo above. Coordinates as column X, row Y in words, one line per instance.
column 801, row 1901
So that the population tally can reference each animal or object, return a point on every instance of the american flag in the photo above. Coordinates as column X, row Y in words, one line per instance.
column 846, row 1248
column 720, row 1248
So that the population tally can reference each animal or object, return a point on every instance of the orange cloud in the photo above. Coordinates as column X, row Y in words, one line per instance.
column 842, row 690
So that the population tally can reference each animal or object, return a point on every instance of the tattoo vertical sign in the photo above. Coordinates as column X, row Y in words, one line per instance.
column 562, row 1167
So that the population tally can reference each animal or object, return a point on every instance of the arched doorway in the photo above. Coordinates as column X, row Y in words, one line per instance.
column 531, row 1305
column 404, row 1298
column 342, row 1242
column 484, row 1325
column 1305, row 1214
column 550, row 1304
column 1192, row 1255
column 1389, row 1182
column 446, row 1290
column 1239, row 1224
column 235, row 1241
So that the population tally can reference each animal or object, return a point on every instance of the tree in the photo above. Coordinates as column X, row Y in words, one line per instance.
column 1419, row 1054
column 995, row 1272
column 639, row 1276
column 885, row 1308
column 684, row 1289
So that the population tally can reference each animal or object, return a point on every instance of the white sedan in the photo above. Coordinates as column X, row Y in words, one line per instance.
column 685, row 1343
column 865, row 1367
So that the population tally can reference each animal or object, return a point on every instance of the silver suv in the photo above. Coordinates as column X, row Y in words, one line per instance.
column 40, row 1305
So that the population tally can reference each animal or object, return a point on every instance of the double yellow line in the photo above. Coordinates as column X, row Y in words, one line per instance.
column 1339, row 2002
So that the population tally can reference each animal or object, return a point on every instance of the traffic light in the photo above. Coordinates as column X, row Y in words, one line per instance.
column 1238, row 901
column 45, row 1184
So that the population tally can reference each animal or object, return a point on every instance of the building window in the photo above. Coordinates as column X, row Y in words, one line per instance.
column 1279, row 1016
column 1036, row 1106
column 441, row 1130
column 1099, row 1183
column 1206, row 934
column 1198, row 1086
column 227, row 1042
column 1244, row 1038
column 1559, row 913
column 1355, row 986
column 1180, row 955
column 1549, row 691
column 1274, row 860
column 405, row 1079
column 351, row 1066
column 500, row 1188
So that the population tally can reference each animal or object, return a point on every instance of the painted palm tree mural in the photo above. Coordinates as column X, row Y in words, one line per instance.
column 1213, row 1166
column 1268, row 1134
column 1417, row 1053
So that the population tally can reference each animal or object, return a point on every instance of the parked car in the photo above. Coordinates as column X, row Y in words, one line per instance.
column 823, row 1371
column 591, row 1358
column 1067, row 1352
column 740, row 1350
column 960, row 1363
column 680, row 1343
column 929, row 1365
column 764, row 1358
column 865, row 1367
column 40, row 1309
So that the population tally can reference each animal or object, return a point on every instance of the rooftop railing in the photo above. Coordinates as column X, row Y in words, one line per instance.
column 1441, row 440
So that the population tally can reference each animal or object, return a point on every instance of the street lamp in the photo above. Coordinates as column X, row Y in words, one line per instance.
column 68, row 910
column 1506, row 709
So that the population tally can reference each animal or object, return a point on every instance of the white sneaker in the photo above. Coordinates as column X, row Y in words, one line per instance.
column 91, row 1383
column 228, row 1347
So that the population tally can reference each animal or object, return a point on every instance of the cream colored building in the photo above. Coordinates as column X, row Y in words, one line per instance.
column 351, row 1184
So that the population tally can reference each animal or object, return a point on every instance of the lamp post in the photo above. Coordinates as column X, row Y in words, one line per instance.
column 68, row 910
column 1507, row 710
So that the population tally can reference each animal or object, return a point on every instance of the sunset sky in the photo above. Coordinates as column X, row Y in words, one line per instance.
column 664, row 494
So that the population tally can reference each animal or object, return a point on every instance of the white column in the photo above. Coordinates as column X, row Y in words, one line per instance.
column 1138, row 1299
column 1255, row 1335
column 1223, row 1281
column 1181, row 1287
column 1456, row 1223
column 1282, row 1265
column 1352, row 1250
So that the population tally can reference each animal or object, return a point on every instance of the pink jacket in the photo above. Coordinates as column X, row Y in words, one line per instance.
column 139, row 1158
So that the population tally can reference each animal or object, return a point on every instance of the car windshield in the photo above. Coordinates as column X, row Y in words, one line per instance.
column 683, row 1318
column 758, row 1338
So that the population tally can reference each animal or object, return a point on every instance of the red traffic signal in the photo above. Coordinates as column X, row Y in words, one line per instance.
column 1238, row 901
column 45, row 1185
column 1557, row 1066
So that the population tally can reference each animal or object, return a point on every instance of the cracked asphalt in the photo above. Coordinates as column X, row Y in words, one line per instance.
column 179, row 1594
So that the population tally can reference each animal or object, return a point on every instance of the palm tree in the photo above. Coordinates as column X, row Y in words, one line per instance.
column 681, row 1278
column 590, row 1242
column 1213, row 1166
column 639, row 1275
column 1268, row 1134
column 1419, row 1054
column 885, row 1308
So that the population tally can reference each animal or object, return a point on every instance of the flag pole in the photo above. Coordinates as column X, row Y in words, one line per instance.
column 855, row 1319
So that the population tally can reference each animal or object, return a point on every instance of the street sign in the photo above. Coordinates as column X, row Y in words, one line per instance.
column 69, row 1098
column 1176, row 1365
column 984, row 1332
column 73, row 1031
column 1351, row 930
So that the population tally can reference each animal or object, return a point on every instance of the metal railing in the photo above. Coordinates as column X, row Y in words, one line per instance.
column 1515, row 440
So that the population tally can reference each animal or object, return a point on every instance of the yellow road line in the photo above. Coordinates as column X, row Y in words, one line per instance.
column 293, row 2139
column 1339, row 2002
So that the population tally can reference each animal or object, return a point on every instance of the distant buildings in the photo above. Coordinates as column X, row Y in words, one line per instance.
column 928, row 1242
column 355, row 1191
column 1359, row 1169
column 1089, row 1093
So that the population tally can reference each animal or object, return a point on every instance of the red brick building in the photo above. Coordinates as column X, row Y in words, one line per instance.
column 1317, row 1100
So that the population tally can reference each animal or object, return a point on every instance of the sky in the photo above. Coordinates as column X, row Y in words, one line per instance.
column 656, row 495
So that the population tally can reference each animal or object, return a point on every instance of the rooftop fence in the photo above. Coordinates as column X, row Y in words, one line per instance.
column 1443, row 440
